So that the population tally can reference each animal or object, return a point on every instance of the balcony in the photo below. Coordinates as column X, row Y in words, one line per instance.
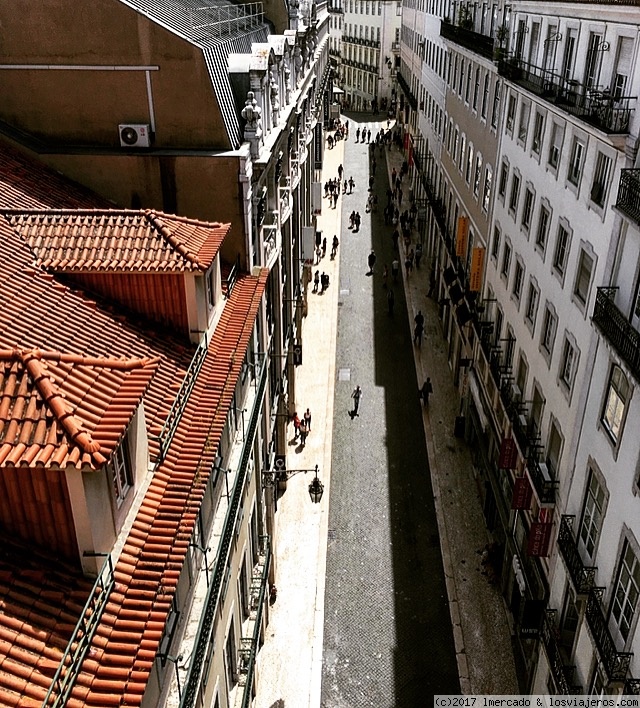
column 622, row 336
column 583, row 577
column 474, row 41
column 413, row 101
column 616, row 663
column 607, row 112
column 628, row 201
column 561, row 673
column 544, row 485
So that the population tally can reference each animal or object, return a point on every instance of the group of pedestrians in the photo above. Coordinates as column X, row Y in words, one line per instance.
column 320, row 282
column 302, row 426
column 341, row 132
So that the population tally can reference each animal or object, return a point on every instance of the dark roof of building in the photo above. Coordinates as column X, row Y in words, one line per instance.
column 219, row 28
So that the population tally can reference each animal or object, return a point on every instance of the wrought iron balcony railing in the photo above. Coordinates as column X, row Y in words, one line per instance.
column 467, row 38
column 597, row 107
column 583, row 577
column 628, row 201
column 413, row 101
column 616, row 663
column 624, row 338
column 544, row 485
column 562, row 674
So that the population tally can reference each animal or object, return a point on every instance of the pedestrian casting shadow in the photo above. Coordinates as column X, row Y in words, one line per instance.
column 353, row 414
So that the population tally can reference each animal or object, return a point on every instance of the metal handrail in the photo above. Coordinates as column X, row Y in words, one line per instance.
column 247, row 695
column 205, row 628
column 182, row 398
column 65, row 677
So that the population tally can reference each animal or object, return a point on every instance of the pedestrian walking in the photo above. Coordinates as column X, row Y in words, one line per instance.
column 395, row 269
column 418, row 255
column 324, row 282
column 307, row 419
column 303, row 432
column 426, row 391
column 385, row 276
column 356, row 395
column 334, row 246
column 371, row 183
column 358, row 135
column 344, row 187
column 296, row 425
column 324, row 246
column 316, row 281
column 391, row 301
column 408, row 264
column 352, row 184
column 340, row 171
column 371, row 260
column 419, row 319
column 368, row 136
column 417, row 334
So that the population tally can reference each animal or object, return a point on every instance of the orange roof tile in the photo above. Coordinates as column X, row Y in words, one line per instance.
column 54, row 406
column 155, row 551
column 117, row 240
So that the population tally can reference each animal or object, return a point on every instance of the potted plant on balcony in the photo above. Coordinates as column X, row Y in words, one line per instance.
column 465, row 18
column 502, row 34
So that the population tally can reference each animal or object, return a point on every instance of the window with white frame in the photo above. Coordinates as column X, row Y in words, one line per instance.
column 523, row 125
column 495, row 244
column 576, row 161
column 504, row 175
column 477, row 174
column 624, row 600
column 469, row 165
column 616, row 399
column 495, row 110
column 554, row 448
column 601, row 179
column 592, row 514
column 568, row 362
column 511, row 113
column 485, row 96
column 538, row 131
column 486, row 191
column 463, row 151
column 461, row 78
column 549, row 325
column 543, row 228
column 533, row 295
column 561, row 251
column 557, row 136
column 506, row 260
column 527, row 208
column 518, row 278
column 515, row 192
column 467, row 91
column 583, row 277
column 121, row 471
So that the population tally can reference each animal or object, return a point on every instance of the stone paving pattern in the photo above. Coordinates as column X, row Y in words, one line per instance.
column 406, row 609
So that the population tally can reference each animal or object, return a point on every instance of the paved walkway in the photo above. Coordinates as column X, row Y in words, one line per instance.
column 290, row 662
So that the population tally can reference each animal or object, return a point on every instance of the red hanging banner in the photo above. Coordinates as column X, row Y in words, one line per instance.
column 522, row 494
column 539, row 539
column 508, row 454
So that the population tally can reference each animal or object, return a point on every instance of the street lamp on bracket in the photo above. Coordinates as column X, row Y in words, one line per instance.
column 270, row 478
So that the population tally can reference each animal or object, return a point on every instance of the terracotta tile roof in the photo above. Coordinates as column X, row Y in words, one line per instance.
column 126, row 642
column 74, row 241
column 28, row 184
column 41, row 598
column 40, row 318
column 66, row 409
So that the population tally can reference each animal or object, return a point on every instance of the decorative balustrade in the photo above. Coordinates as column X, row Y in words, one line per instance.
column 583, row 577
column 467, row 38
column 561, row 673
column 600, row 108
column 616, row 663
column 620, row 333
column 628, row 201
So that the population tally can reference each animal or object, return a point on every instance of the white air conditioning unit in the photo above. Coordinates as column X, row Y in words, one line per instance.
column 134, row 135
column 515, row 392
